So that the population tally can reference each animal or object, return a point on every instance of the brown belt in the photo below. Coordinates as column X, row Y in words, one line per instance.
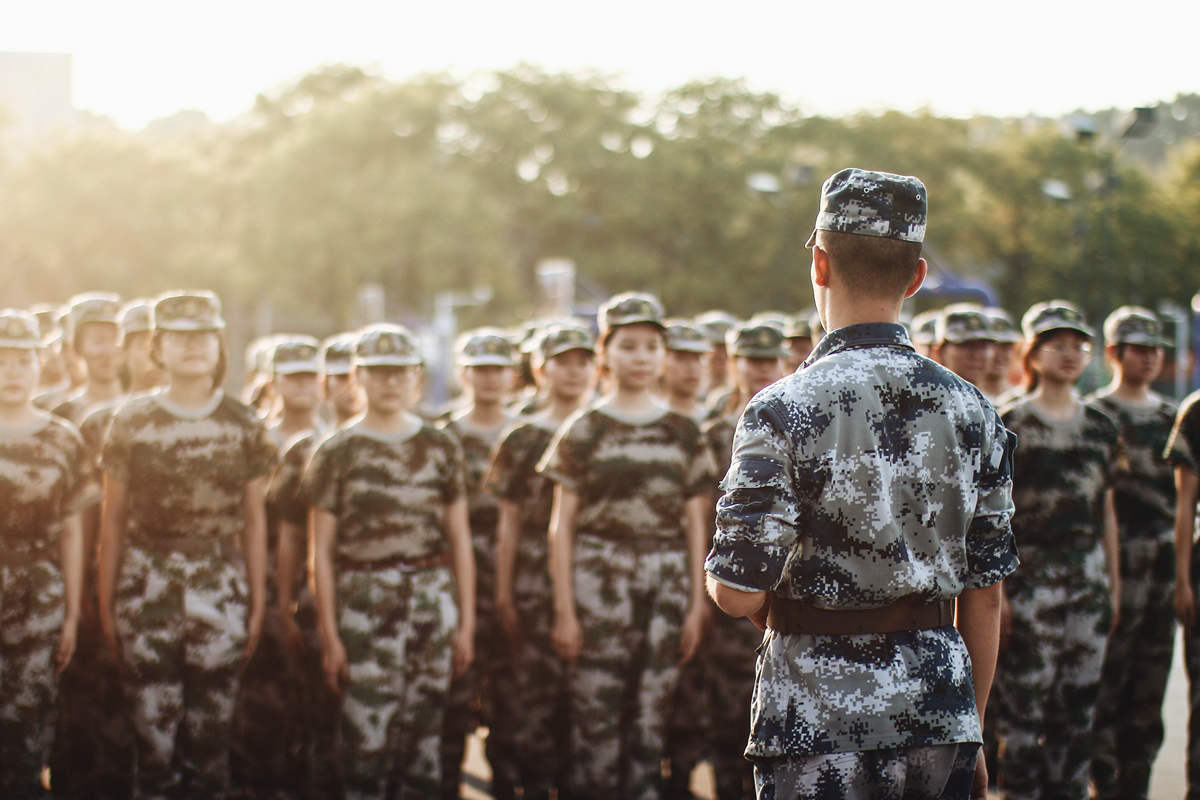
column 398, row 562
column 796, row 616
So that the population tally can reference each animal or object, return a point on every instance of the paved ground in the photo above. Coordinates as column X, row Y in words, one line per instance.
column 1168, row 781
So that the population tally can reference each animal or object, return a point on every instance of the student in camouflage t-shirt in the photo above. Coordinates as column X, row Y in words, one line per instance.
column 1063, row 599
column 183, row 552
column 1128, row 729
column 627, row 535
column 1183, row 454
column 531, row 688
column 394, row 575
column 45, row 481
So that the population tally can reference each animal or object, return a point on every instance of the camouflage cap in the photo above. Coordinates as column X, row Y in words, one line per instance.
column 198, row 310
column 47, row 319
column 295, row 354
column 776, row 319
column 1054, row 315
column 871, row 203
column 1003, row 328
column 630, row 308
column 686, row 337
column 924, row 327
column 799, row 326
column 558, row 339
column 337, row 354
column 385, row 344
column 1134, row 325
column 90, row 307
column 484, row 347
column 137, row 316
column 755, row 341
column 715, row 325
column 962, row 322
column 19, row 330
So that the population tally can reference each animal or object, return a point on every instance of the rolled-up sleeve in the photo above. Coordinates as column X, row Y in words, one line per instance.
column 757, row 514
column 991, row 549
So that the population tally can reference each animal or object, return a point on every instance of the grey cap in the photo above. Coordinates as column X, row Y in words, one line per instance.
column 188, row 311
column 869, row 203
column 630, row 308
column 1134, row 325
column 800, row 326
column 137, row 316
column 337, row 354
column 1054, row 315
column 686, row 337
column 91, row 307
column 19, row 330
column 716, row 324
column 386, row 345
column 1001, row 323
column 755, row 341
column 295, row 354
column 924, row 327
column 485, row 347
column 776, row 319
column 962, row 322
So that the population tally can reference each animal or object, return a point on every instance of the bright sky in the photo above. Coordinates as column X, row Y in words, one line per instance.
column 136, row 60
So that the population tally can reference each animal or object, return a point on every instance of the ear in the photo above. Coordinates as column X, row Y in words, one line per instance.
column 918, row 278
column 820, row 267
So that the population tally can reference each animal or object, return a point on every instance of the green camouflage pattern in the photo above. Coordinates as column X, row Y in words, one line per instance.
column 962, row 322
column 188, row 311
column 1054, row 315
column 629, row 308
column 631, row 588
column 870, row 475
column 532, row 685
column 389, row 493
column 1183, row 445
column 19, row 330
column 1049, row 675
column 1134, row 325
column 44, row 478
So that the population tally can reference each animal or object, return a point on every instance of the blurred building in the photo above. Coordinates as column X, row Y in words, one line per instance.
column 35, row 96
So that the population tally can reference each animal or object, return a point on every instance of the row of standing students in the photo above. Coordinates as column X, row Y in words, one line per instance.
column 583, row 639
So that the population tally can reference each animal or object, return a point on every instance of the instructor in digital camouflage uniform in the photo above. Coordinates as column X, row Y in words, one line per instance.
column 867, row 492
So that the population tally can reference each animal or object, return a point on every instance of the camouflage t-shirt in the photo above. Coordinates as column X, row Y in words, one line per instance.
column 45, row 476
column 76, row 407
column 1060, row 474
column 870, row 475
column 477, row 446
column 1144, row 486
column 718, row 436
column 283, row 495
column 186, row 470
column 1183, row 447
column 513, row 476
column 388, row 492
column 633, row 478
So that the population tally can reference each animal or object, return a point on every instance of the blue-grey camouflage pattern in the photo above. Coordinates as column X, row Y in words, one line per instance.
column 1128, row 727
column 869, row 203
column 940, row 772
column 45, row 477
column 870, row 475
column 1048, row 676
column 1183, row 450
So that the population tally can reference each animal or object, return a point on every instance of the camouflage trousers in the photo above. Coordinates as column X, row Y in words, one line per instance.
column 530, row 688
column 1048, row 679
column 1191, row 661
column 711, row 717
column 182, row 623
column 1128, row 729
column 397, row 627
column 941, row 772
column 31, row 614
column 631, row 601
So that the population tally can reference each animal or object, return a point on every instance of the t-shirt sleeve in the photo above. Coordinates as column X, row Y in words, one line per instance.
column 454, row 480
column 261, row 453
column 990, row 546
column 504, row 473
column 566, row 460
column 116, row 449
column 321, row 481
column 758, row 512
column 1183, row 447
column 80, row 487
column 283, row 495
column 702, row 468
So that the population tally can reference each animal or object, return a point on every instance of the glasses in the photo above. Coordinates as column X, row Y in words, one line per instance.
column 1069, row 349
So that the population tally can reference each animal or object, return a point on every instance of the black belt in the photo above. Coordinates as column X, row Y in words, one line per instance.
column 797, row 616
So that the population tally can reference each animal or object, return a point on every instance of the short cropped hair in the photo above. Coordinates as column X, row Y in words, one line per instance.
column 871, row 265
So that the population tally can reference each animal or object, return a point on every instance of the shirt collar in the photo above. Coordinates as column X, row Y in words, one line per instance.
column 866, row 334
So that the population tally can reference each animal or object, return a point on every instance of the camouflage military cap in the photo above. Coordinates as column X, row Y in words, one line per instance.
column 962, row 322
column 188, row 311
column 296, row 354
column 1134, row 325
column 686, row 337
column 755, row 341
column 1003, row 328
column 90, row 307
column 337, row 354
column 776, row 319
column 485, row 347
column 564, row 337
column 385, row 344
column 137, row 316
column 46, row 315
column 630, row 308
column 1054, row 315
column 871, row 203
column 19, row 330
column 799, row 326
column 715, row 325
column 924, row 327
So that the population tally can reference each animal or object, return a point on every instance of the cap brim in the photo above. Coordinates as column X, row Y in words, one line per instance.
column 387, row 361
column 339, row 368
column 1143, row 341
column 1084, row 329
column 487, row 361
column 812, row 239
column 559, row 351
column 753, row 352
column 691, row 347
column 20, row 344
column 187, row 326
column 636, row 321
column 297, row 367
